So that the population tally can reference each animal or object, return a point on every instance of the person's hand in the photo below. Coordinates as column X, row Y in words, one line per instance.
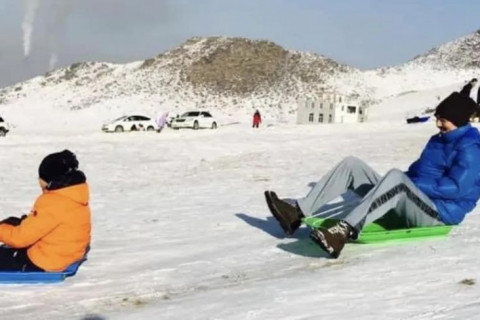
column 13, row 221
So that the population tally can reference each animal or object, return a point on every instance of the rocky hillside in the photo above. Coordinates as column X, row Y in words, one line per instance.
column 449, row 64
column 203, row 71
column 463, row 53
column 243, row 67
column 224, row 73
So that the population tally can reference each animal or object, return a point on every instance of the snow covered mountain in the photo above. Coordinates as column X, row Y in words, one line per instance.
column 211, row 72
column 232, row 76
column 449, row 64
column 463, row 53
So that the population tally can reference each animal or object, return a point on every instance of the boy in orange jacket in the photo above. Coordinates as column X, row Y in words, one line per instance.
column 56, row 233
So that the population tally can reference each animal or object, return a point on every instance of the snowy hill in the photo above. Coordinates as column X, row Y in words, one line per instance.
column 452, row 63
column 410, row 103
column 463, row 53
column 216, row 73
column 230, row 76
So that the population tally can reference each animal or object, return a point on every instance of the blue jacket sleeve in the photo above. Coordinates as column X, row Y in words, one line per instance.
column 459, row 178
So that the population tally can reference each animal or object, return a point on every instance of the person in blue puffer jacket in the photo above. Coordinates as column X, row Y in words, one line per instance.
column 440, row 188
column 448, row 170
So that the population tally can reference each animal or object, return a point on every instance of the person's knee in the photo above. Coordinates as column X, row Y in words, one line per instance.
column 394, row 173
column 351, row 160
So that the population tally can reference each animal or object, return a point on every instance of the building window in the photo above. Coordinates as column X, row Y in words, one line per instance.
column 313, row 105
column 331, row 106
column 320, row 117
column 339, row 99
column 310, row 117
column 329, row 118
column 321, row 105
column 351, row 109
column 343, row 108
column 360, row 111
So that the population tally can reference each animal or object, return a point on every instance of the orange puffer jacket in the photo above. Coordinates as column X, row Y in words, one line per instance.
column 57, row 231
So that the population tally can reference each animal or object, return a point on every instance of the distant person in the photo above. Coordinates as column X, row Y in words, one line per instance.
column 439, row 188
column 478, row 103
column 476, row 114
column 56, row 233
column 161, row 121
column 468, row 88
column 257, row 119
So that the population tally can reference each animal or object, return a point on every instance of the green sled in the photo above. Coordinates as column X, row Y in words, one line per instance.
column 384, row 229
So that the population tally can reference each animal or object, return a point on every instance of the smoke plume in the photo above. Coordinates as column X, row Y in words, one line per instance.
column 57, row 17
column 31, row 7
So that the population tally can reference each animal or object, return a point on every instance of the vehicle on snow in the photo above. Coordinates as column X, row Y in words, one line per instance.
column 131, row 123
column 195, row 120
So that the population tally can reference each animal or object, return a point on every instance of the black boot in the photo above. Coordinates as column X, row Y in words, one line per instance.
column 333, row 239
column 289, row 217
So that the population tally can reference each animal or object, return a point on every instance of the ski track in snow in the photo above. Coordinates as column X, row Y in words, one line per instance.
column 181, row 230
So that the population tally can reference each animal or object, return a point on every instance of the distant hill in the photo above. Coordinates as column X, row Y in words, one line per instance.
column 240, row 74
column 463, row 53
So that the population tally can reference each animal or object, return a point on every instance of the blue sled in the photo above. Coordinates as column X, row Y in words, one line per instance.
column 20, row 277
column 417, row 119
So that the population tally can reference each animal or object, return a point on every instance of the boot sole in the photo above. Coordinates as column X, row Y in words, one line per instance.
column 276, row 213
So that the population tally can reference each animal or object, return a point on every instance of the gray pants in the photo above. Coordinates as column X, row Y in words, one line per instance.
column 394, row 192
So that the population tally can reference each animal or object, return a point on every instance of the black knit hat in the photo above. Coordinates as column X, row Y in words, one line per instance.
column 56, row 165
column 456, row 108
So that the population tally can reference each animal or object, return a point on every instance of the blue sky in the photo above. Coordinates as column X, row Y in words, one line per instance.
column 361, row 33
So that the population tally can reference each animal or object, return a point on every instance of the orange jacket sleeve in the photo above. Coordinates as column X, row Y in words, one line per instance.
column 32, row 228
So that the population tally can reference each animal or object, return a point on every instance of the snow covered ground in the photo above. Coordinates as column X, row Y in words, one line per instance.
column 181, row 229
column 413, row 103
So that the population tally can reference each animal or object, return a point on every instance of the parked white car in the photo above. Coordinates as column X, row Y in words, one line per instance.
column 4, row 127
column 194, row 120
column 131, row 123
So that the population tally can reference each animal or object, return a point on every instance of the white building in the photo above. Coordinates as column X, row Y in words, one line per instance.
column 330, row 108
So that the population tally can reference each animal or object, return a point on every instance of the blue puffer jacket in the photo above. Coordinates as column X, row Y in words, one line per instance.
column 448, row 172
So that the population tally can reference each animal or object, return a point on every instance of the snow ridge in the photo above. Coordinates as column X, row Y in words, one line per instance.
column 232, row 75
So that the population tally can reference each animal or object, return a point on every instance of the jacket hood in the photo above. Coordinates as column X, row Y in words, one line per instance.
column 79, row 193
